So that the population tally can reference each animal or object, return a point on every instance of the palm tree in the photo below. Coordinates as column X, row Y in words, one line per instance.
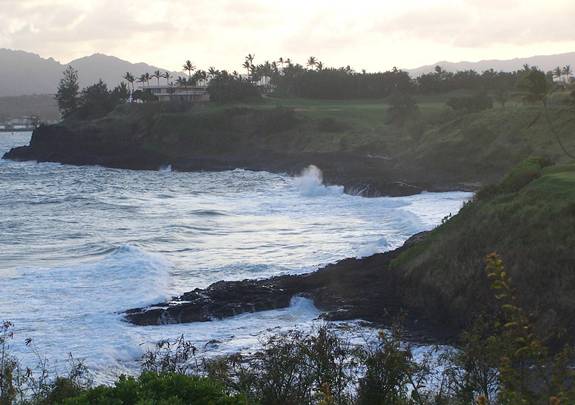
column 567, row 72
column 142, row 79
column 249, row 63
column 181, row 81
column 557, row 72
column 312, row 61
column 157, row 74
column 246, row 65
column 319, row 66
column 167, row 76
column 130, row 79
column 189, row 67
column 212, row 72
column 147, row 76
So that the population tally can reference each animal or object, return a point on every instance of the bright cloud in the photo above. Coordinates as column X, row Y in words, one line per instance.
column 365, row 34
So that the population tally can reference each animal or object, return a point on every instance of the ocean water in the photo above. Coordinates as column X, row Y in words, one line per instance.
column 79, row 245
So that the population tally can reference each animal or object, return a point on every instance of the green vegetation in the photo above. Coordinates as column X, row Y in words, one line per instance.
column 529, row 217
column 160, row 389
column 226, row 88
column 500, row 360
column 67, row 95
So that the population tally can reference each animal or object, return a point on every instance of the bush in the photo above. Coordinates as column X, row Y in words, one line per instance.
column 331, row 125
column 476, row 103
column 521, row 175
column 226, row 88
column 402, row 107
column 160, row 389
column 293, row 368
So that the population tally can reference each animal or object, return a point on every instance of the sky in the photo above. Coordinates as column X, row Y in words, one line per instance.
column 371, row 35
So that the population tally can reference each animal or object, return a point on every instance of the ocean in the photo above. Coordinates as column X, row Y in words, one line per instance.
column 79, row 245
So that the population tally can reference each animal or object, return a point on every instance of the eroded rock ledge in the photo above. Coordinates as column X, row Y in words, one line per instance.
column 350, row 289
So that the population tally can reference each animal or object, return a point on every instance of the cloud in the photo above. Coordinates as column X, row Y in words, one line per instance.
column 485, row 23
column 363, row 33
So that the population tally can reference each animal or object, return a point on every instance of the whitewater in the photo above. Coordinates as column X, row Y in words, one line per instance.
column 79, row 245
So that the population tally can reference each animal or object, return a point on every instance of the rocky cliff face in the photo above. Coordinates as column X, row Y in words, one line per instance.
column 235, row 138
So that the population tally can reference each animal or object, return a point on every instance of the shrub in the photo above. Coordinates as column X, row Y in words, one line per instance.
column 402, row 107
column 226, row 88
column 392, row 375
column 331, row 125
column 476, row 103
column 521, row 175
column 160, row 389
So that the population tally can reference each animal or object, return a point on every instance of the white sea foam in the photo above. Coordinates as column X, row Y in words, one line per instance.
column 79, row 245
column 310, row 183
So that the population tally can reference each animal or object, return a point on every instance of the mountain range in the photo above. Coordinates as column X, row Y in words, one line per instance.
column 25, row 73
column 543, row 62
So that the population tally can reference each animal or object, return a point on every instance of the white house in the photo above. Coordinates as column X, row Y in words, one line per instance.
column 185, row 94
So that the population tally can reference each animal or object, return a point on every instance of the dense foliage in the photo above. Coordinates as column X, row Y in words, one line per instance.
column 225, row 88
column 92, row 102
column 160, row 389
column 97, row 101
column 475, row 103
column 529, row 217
column 67, row 94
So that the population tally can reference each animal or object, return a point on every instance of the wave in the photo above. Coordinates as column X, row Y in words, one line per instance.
column 310, row 183
column 125, row 277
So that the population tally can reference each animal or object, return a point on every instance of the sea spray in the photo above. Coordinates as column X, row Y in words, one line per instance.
column 310, row 183
column 105, row 240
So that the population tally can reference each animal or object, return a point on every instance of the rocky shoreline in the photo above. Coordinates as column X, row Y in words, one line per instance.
column 366, row 289
column 359, row 173
column 351, row 289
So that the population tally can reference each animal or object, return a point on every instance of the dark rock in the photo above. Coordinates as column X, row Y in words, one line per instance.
column 126, row 148
column 349, row 289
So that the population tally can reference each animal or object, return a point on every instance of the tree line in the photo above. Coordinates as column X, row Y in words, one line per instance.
column 285, row 78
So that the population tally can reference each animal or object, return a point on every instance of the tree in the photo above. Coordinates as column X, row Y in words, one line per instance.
column 312, row 61
column 470, row 104
column 567, row 72
column 557, row 72
column 130, row 79
column 157, row 74
column 166, row 75
column 67, row 94
column 501, row 96
column 95, row 101
column 249, row 64
column 536, row 88
column 402, row 106
column 189, row 67
column 228, row 88
column 181, row 81
column 120, row 94
column 142, row 79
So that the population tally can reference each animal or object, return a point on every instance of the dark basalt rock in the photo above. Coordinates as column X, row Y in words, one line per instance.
column 57, row 143
column 350, row 289
column 125, row 148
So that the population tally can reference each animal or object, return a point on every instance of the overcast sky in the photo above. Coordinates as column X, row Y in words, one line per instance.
column 374, row 35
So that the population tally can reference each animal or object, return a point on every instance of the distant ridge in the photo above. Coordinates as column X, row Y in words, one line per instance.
column 25, row 73
column 543, row 62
